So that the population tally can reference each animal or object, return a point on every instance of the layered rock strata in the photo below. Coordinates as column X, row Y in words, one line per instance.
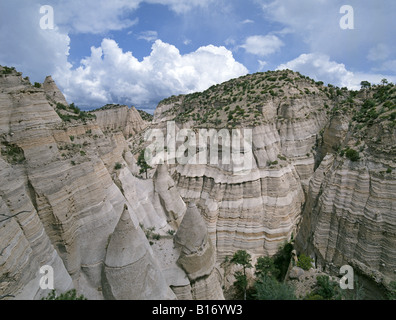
column 297, row 168
column 349, row 218
column 52, row 91
column 198, row 256
column 120, row 118
column 71, row 196
column 259, row 208
column 130, row 270
column 61, row 195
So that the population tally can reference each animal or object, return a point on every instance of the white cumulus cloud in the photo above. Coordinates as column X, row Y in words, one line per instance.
column 319, row 67
column 111, row 75
column 182, row 6
column 315, row 23
column 149, row 35
column 99, row 16
column 24, row 45
column 262, row 45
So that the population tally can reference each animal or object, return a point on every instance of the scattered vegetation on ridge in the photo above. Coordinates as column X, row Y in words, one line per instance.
column 150, row 233
column 109, row 106
column 12, row 153
column 240, row 101
column 72, row 112
column 8, row 70
column 268, row 282
column 145, row 115
column 69, row 295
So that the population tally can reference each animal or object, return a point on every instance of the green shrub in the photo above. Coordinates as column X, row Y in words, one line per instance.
column 304, row 262
column 74, row 108
column 265, row 266
column 61, row 106
column 118, row 166
column 171, row 232
column 267, row 288
column 37, row 85
column 392, row 292
column 326, row 288
column 313, row 296
column 282, row 259
column 243, row 258
column 240, row 285
column 7, row 70
column 156, row 236
column 69, row 295
column 142, row 163
column 352, row 155
column 368, row 104
column 13, row 154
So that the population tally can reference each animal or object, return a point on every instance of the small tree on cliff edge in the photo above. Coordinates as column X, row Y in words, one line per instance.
column 142, row 163
column 242, row 258
column 365, row 84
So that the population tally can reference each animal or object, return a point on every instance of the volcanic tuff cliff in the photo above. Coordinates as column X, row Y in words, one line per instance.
column 323, row 171
column 71, row 195
column 120, row 118
column 70, row 198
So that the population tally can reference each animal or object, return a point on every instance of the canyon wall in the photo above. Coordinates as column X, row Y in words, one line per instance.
column 72, row 196
column 302, row 183
column 349, row 217
column 257, row 209
column 70, row 199
column 120, row 118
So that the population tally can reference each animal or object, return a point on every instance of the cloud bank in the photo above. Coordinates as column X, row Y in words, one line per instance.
column 262, row 45
column 300, row 35
column 111, row 75
column 319, row 67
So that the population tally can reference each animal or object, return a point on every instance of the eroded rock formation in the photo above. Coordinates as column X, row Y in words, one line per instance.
column 64, row 197
column 130, row 270
column 197, row 255
column 120, row 118
column 71, row 196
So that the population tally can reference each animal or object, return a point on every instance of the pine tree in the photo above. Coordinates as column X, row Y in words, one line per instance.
column 142, row 163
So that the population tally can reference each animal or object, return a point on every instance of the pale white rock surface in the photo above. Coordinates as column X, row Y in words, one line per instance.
column 120, row 118
column 64, row 176
column 197, row 255
column 24, row 245
column 63, row 200
column 169, row 195
column 52, row 91
column 130, row 271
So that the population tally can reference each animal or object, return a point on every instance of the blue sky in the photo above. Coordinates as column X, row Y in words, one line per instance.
column 137, row 52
